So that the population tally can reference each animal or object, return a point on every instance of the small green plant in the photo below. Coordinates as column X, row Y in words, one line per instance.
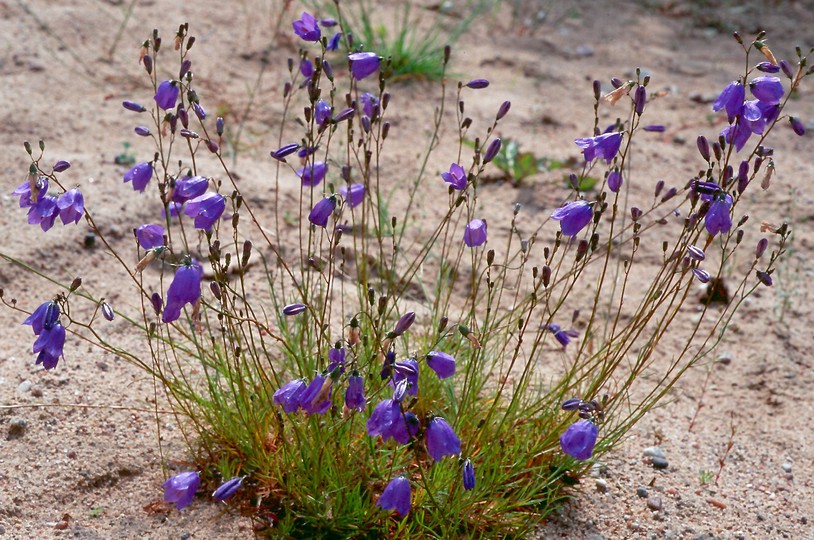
column 705, row 477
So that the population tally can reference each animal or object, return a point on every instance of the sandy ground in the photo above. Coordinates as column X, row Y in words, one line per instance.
column 82, row 441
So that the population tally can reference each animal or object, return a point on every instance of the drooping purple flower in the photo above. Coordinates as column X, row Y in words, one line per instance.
column 44, row 212
column 605, row 146
column 477, row 84
column 403, row 428
column 27, row 198
column 456, row 177
column 49, row 346
column 43, row 318
column 166, row 95
column 718, row 219
column 579, row 439
column 354, row 195
column 441, row 363
column 363, row 64
column 316, row 399
column 322, row 112
column 562, row 336
column 206, row 209
column 333, row 43
column 370, row 105
column 293, row 309
column 133, row 106
column 71, row 206
column 322, row 211
column 189, row 187
column 468, row 475
column 150, row 236
column 336, row 359
column 731, row 98
column 441, row 439
column 767, row 89
column 306, row 27
column 475, row 233
column 180, row 489
column 573, row 217
column 228, row 488
column 355, row 393
column 406, row 370
column 396, row 496
column 290, row 395
column 312, row 174
column 140, row 175
column 615, row 180
column 62, row 166
column 184, row 289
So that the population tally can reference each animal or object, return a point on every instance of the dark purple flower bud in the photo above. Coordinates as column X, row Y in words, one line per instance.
column 468, row 475
column 491, row 151
column 701, row 275
column 657, row 128
column 353, row 195
column 333, row 44
column 765, row 278
column 635, row 213
column 206, row 209
column 71, row 206
column 180, row 489
column 767, row 67
column 396, row 496
column 787, row 68
column 503, row 110
column 441, row 439
column 579, row 439
column 355, row 393
column 140, row 175
column 696, row 253
column 61, row 166
column 142, row 131
column 322, row 210
column 133, row 106
column 717, row 219
column 614, row 181
column 184, row 289
column 456, row 177
column 199, row 111
column 441, row 363
column 43, row 318
column 344, row 115
column 212, row 146
column 605, row 146
column 797, row 126
column 703, row 147
column 185, row 66
column 166, row 95
column 363, row 64
column 312, row 174
column 219, row 125
column 290, row 395
column 639, row 99
column 316, row 399
column 743, row 176
column 306, row 151
column 281, row 153
column 188, row 134
column 571, row 404
column 477, row 84
column 322, row 112
column 189, row 187
column 762, row 244
column 148, row 63
column 670, row 194
column 306, row 68
column 731, row 98
column 306, row 27
column 328, row 23
column 107, row 311
column 293, row 309
column 150, row 236
column 616, row 82
column 227, row 489
column 475, row 233
column 573, row 217
column 767, row 89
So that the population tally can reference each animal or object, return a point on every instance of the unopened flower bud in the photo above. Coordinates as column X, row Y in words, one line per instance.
column 491, row 152
column 765, row 278
column 75, row 284
column 639, row 99
column 157, row 303
column 212, row 146
column 142, row 131
column 477, row 84
column 214, row 286
column 503, row 110
column 597, row 86
column 133, row 106
column 219, row 125
column 701, row 275
column 762, row 244
column 788, row 71
column 404, row 323
column 107, row 311
column 696, row 253
column 61, row 166
column 571, row 404
column 797, row 126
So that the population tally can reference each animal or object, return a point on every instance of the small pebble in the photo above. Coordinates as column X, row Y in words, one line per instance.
column 659, row 463
column 16, row 428
column 786, row 467
column 654, row 451
column 25, row 386
column 601, row 485
column 725, row 358
column 36, row 391
column 641, row 491
column 654, row 503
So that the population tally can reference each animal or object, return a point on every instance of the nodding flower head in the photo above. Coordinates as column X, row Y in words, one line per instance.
column 180, row 489
column 396, row 496
column 605, row 146
column 579, row 439
column 363, row 64
column 306, row 27
column 573, row 217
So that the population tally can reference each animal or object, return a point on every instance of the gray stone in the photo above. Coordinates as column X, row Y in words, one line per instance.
column 786, row 467
column 659, row 463
column 641, row 491
column 25, row 386
column 654, row 451
column 654, row 503
column 16, row 428
column 601, row 485
column 725, row 358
